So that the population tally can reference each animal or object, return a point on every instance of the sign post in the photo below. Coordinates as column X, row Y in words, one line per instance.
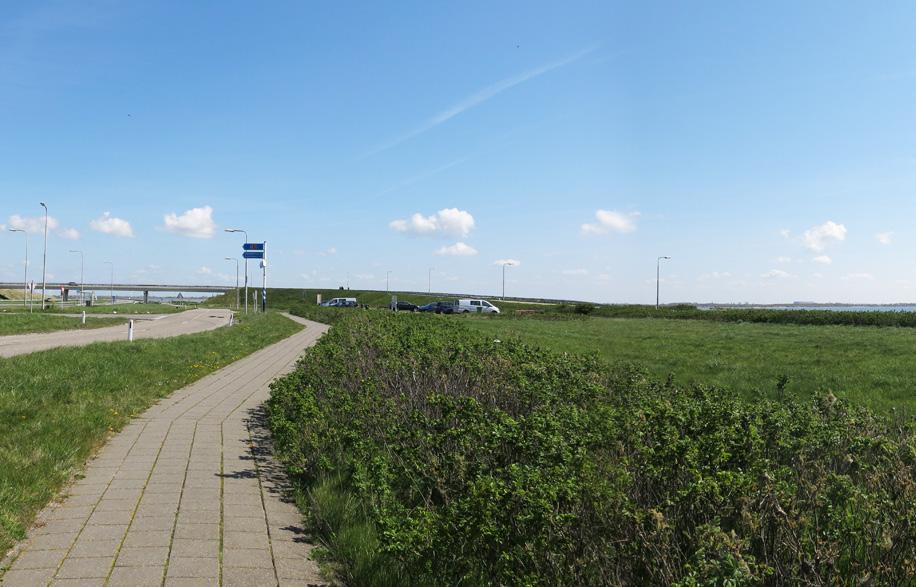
column 251, row 251
column 259, row 251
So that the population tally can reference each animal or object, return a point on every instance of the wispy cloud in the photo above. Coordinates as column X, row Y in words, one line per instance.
column 481, row 96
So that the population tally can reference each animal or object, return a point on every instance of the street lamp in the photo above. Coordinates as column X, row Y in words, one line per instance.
column 111, row 291
column 388, row 281
column 504, row 277
column 44, row 262
column 26, row 292
column 429, row 287
column 246, row 263
column 236, row 280
column 658, row 263
column 81, row 274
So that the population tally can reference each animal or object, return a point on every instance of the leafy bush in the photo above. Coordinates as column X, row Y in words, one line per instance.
column 429, row 455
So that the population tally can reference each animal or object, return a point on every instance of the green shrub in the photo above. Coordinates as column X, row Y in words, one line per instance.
column 430, row 455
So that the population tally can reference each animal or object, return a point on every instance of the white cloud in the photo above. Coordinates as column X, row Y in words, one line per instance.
column 195, row 223
column 611, row 221
column 858, row 276
column 204, row 270
column 783, row 259
column 70, row 234
column 574, row 272
column 714, row 275
column 885, row 238
column 776, row 274
column 823, row 259
column 510, row 262
column 448, row 221
column 785, row 233
column 34, row 225
column 108, row 224
column 458, row 249
column 817, row 275
column 818, row 237
column 329, row 251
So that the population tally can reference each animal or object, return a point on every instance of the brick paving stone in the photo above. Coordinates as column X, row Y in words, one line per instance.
column 189, row 477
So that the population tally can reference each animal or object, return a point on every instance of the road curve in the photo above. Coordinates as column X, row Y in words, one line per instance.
column 189, row 322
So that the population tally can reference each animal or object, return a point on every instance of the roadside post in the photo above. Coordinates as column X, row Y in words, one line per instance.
column 258, row 251
column 84, row 316
column 130, row 330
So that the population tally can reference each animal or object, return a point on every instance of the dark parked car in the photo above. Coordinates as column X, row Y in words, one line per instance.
column 405, row 306
column 439, row 307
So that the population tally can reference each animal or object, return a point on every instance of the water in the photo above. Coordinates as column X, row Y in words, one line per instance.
column 837, row 308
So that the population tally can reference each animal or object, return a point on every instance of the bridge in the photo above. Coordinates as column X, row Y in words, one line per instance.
column 64, row 288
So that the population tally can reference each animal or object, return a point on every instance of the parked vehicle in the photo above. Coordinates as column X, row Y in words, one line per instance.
column 340, row 303
column 476, row 306
column 439, row 307
column 404, row 306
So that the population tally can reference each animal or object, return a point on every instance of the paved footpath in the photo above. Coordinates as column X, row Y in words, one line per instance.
column 187, row 322
column 186, row 494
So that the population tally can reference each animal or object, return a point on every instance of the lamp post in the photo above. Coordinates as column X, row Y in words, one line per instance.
column 111, row 291
column 26, row 293
column 429, row 287
column 81, row 274
column 236, row 280
column 44, row 262
column 388, row 281
column 246, row 263
column 504, row 277
column 658, row 264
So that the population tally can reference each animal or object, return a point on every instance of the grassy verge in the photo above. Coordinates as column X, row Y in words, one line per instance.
column 32, row 323
column 868, row 366
column 123, row 309
column 58, row 406
column 429, row 454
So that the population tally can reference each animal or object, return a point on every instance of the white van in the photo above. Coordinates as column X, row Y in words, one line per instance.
column 340, row 303
column 476, row 306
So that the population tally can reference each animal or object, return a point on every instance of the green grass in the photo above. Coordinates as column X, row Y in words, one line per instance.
column 285, row 298
column 20, row 323
column 866, row 365
column 124, row 309
column 57, row 407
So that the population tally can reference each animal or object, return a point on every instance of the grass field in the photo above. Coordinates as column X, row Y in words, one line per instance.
column 869, row 366
column 20, row 323
column 58, row 406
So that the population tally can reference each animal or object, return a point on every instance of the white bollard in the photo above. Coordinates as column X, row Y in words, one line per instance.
column 130, row 330
column 231, row 317
column 84, row 316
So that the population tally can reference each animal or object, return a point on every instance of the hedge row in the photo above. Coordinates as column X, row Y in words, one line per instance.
column 455, row 459
column 688, row 312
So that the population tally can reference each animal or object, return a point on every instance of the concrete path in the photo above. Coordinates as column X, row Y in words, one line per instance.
column 186, row 494
column 187, row 322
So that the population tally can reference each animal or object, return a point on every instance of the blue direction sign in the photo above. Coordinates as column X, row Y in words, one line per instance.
column 253, row 247
column 253, row 254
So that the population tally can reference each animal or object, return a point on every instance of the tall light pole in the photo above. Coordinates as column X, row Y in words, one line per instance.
column 236, row 280
column 26, row 293
column 246, row 264
column 81, row 274
column 658, row 264
column 504, row 277
column 44, row 262
column 111, row 291
column 388, row 281
column 429, row 287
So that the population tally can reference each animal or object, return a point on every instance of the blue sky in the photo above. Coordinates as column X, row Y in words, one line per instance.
column 769, row 150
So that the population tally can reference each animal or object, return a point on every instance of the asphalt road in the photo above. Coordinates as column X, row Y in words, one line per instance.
column 188, row 322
